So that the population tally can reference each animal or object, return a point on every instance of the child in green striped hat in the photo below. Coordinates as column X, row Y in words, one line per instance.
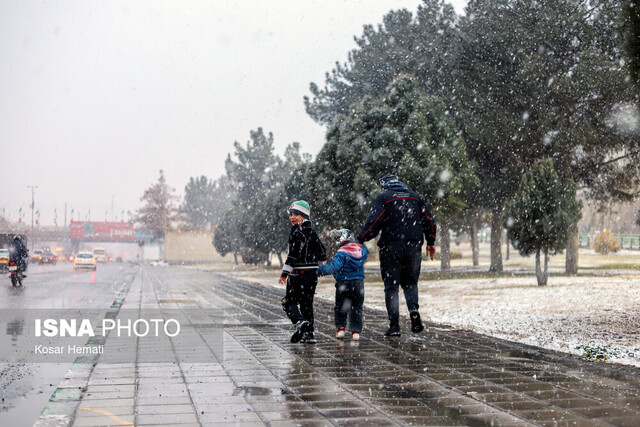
column 299, row 273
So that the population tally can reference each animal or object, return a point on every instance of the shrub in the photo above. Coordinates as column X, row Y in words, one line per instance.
column 606, row 242
column 253, row 256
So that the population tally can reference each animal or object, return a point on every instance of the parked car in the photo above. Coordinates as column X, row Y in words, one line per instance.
column 47, row 258
column 4, row 259
column 85, row 260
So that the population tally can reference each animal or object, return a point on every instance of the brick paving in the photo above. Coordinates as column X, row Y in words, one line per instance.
column 439, row 377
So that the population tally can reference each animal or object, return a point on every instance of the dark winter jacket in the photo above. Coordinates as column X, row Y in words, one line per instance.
column 401, row 214
column 17, row 250
column 347, row 264
column 306, row 251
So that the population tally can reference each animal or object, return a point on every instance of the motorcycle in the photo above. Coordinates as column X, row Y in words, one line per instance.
column 15, row 273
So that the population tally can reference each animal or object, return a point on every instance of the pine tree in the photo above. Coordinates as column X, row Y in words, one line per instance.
column 539, row 79
column 205, row 202
column 421, row 45
column 406, row 131
column 159, row 210
column 543, row 215
column 196, row 209
column 226, row 236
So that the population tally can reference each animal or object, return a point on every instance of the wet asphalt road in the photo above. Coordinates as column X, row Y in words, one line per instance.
column 26, row 387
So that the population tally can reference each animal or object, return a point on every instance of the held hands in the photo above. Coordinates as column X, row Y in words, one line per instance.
column 431, row 251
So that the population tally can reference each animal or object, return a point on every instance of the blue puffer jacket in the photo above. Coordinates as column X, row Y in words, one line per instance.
column 347, row 264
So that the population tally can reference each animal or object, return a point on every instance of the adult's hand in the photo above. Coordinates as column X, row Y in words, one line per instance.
column 431, row 251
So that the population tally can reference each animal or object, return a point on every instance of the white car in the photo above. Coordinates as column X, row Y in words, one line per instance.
column 85, row 260
column 100, row 255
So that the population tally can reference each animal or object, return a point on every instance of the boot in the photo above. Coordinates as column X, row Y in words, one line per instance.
column 308, row 338
column 392, row 331
column 416, row 324
column 301, row 328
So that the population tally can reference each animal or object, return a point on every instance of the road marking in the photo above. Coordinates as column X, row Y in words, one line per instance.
column 108, row 414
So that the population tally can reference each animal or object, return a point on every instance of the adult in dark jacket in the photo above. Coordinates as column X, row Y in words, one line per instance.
column 306, row 253
column 19, row 253
column 405, row 222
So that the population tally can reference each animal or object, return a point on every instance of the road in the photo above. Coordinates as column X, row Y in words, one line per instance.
column 25, row 388
column 252, row 375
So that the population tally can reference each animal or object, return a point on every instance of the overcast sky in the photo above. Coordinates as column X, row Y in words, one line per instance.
column 98, row 96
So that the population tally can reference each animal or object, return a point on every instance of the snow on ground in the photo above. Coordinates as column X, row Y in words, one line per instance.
column 587, row 310
column 567, row 313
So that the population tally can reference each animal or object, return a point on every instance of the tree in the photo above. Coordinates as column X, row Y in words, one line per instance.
column 159, row 210
column 205, row 202
column 403, row 44
column 406, row 131
column 539, row 79
column 226, row 236
column 266, row 185
column 196, row 209
column 543, row 215
column 272, row 216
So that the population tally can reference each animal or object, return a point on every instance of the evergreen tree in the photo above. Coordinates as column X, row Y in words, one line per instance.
column 539, row 79
column 254, row 174
column 403, row 44
column 543, row 215
column 159, row 210
column 226, row 236
column 265, row 186
column 198, row 205
column 406, row 131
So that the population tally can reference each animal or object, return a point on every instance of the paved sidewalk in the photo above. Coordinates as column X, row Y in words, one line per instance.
column 439, row 377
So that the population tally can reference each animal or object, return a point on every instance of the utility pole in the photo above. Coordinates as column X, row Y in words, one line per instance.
column 33, row 204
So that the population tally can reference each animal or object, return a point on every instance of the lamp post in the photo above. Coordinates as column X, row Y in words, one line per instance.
column 33, row 190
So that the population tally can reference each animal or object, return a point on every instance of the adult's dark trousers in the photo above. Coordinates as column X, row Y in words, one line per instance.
column 299, row 292
column 349, row 301
column 400, row 266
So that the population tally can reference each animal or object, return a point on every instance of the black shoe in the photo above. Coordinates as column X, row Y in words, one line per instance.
column 392, row 331
column 416, row 324
column 301, row 328
column 308, row 338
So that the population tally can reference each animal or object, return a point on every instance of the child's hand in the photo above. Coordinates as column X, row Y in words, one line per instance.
column 283, row 280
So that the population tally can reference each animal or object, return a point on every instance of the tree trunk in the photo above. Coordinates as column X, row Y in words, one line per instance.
column 445, row 246
column 280, row 260
column 541, row 275
column 546, row 265
column 475, row 250
column 235, row 257
column 496, row 240
column 508, row 244
column 571, row 262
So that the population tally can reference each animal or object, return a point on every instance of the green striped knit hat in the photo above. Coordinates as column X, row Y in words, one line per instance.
column 301, row 207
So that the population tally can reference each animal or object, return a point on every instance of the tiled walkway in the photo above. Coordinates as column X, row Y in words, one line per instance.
column 439, row 377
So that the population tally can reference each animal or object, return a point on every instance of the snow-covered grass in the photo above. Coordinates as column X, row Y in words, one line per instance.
column 599, row 311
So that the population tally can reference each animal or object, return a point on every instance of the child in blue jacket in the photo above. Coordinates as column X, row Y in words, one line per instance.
column 347, row 268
